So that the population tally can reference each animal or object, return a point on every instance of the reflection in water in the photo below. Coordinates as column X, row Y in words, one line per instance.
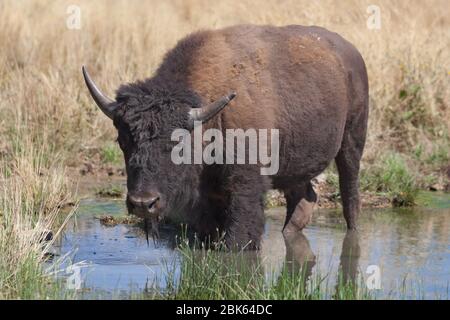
column 348, row 262
column 300, row 259
column 409, row 247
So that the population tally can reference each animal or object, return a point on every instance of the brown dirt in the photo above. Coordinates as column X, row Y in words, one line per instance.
column 89, row 178
column 88, row 183
column 328, row 198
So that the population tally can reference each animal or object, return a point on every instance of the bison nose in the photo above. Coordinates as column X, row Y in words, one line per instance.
column 145, row 201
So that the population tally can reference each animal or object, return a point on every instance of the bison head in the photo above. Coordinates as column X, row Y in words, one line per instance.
column 145, row 119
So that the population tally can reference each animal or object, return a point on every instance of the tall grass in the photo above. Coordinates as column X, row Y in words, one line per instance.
column 31, row 197
column 407, row 59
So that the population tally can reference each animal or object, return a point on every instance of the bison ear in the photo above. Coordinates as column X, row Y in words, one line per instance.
column 207, row 112
column 104, row 103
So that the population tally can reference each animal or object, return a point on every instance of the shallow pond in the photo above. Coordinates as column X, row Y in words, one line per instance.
column 393, row 249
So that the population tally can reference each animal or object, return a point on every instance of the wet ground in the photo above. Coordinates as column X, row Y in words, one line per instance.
column 394, row 249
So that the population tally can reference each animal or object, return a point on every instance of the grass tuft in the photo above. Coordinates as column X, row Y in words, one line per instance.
column 30, row 211
column 111, row 154
column 391, row 175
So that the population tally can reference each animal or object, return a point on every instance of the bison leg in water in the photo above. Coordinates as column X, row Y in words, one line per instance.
column 244, row 224
column 300, row 202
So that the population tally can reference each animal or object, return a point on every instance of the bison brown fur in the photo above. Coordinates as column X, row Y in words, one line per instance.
column 308, row 82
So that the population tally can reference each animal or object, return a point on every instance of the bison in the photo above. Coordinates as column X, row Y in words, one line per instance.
column 307, row 82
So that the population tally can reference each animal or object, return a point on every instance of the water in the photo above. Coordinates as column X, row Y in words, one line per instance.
column 397, row 247
column 408, row 247
column 111, row 261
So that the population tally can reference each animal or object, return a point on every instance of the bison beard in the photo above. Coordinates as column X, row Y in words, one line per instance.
column 308, row 82
column 154, row 228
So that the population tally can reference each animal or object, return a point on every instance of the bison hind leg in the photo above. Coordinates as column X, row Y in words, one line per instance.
column 348, row 163
column 300, row 201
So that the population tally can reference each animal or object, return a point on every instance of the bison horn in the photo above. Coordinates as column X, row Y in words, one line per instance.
column 104, row 103
column 207, row 112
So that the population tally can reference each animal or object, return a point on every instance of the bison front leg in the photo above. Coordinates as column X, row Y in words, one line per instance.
column 300, row 201
column 244, row 225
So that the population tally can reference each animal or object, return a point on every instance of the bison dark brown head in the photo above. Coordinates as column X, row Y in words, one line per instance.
column 145, row 120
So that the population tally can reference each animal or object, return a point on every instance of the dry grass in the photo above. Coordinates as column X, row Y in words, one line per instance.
column 41, row 85
column 31, row 196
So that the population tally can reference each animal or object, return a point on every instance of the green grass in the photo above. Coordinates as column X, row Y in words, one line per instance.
column 391, row 175
column 439, row 156
column 111, row 154
column 225, row 275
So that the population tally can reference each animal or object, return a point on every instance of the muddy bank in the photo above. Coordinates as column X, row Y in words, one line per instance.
column 110, row 182
column 328, row 197
column 93, row 178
